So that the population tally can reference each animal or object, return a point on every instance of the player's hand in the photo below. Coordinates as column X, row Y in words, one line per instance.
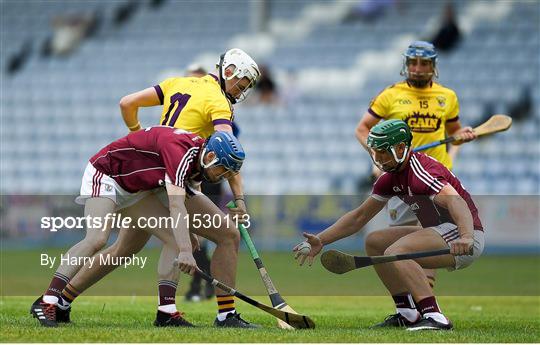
column 316, row 247
column 462, row 246
column 464, row 135
column 240, row 211
column 186, row 263
column 195, row 244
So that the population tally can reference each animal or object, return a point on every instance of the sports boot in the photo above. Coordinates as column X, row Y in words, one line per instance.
column 429, row 324
column 395, row 320
column 234, row 320
column 44, row 312
column 171, row 320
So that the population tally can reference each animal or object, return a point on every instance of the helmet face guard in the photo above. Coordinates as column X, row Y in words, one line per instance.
column 227, row 174
column 384, row 166
column 244, row 67
column 424, row 51
column 387, row 136
column 243, row 94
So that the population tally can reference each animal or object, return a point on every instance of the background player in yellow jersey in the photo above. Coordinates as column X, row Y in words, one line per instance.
column 432, row 111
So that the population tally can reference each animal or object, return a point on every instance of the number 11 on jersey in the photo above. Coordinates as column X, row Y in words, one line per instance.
column 182, row 100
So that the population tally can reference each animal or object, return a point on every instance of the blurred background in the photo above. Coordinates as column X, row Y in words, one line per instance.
column 66, row 64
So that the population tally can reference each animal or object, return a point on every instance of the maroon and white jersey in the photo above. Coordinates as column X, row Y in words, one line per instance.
column 143, row 160
column 417, row 184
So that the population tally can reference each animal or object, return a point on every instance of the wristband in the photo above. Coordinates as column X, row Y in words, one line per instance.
column 137, row 126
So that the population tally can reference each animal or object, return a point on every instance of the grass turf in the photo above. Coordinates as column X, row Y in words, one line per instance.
column 508, row 309
column 339, row 319
column 22, row 275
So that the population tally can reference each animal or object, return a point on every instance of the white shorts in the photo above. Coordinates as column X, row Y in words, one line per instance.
column 96, row 184
column 449, row 233
column 399, row 213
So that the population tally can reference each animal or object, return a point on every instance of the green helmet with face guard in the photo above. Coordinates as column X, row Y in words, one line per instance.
column 386, row 136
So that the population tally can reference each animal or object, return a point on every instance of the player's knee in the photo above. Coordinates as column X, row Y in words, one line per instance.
column 398, row 248
column 230, row 236
column 96, row 243
column 124, row 250
column 117, row 251
column 374, row 244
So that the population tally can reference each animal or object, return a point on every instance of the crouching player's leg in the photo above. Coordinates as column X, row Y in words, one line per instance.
column 410, row 274
column 376, row 243
column 130, row 241
column 400, row 214
column 224, row 260
column 49, row 309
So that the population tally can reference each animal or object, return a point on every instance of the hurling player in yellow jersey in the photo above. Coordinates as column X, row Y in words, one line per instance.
column 430, row 109
column 200, row 105
column 432, row 112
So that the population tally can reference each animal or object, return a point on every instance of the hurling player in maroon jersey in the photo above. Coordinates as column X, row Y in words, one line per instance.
column 448, row 218
column 124, row 178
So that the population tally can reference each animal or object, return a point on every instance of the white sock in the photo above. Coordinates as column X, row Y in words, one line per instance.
column 437, row 317
column 168, row 308
column 223, row 316
column 50, row 299
column 408, row 313
column 63, row 304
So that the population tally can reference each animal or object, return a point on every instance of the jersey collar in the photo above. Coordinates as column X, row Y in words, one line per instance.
column 214, row 76
column 412, row 87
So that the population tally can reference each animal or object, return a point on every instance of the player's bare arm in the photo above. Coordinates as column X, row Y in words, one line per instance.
column 456, row 205
column 465, row 133
column 235, row 183
column 349, row 224
column 129, row 105
column 352, row 222
column 223, row 128
column 362, row 130
column 363, row 127
column 177, row 196
column 454, row 129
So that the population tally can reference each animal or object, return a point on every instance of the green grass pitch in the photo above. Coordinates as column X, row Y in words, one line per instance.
column 506, row 310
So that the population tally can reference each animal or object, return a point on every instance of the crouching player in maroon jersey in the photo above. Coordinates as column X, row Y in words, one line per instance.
column 446, row 212
column 122, row 178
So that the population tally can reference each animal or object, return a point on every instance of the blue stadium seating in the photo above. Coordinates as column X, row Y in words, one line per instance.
column 57, row 112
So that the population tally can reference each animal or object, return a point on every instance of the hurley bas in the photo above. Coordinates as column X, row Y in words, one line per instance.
column 99, row 259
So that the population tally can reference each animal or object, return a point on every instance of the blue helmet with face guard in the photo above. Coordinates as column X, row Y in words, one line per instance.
column 228, row 150
column 419, row 50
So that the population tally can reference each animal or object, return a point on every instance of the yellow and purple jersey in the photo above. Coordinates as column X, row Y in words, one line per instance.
column 194, row 104
column 426, row 111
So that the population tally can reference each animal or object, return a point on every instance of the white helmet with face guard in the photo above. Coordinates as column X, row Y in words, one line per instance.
column 244, row 67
